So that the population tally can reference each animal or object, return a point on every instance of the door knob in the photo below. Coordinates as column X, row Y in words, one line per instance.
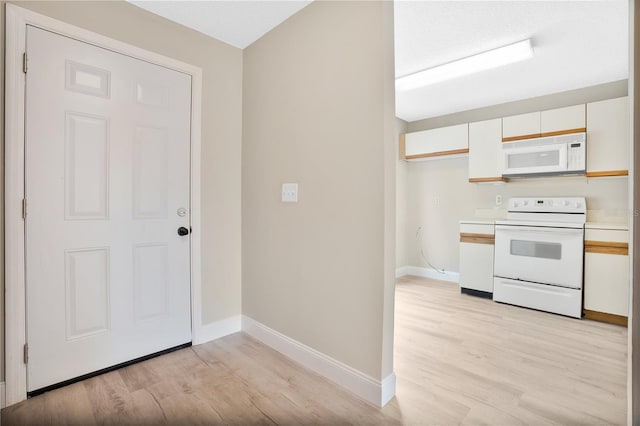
column 182, row 231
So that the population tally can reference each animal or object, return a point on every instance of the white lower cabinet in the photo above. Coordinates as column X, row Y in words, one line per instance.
column 606, row 275
column 476, row 258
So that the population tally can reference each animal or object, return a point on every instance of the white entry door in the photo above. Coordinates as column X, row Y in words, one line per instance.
column 107, row 186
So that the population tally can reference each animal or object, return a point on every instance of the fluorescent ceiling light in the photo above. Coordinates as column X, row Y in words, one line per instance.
column 482, row 61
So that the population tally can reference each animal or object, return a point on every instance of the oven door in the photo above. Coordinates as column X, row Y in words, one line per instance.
column 539, row 254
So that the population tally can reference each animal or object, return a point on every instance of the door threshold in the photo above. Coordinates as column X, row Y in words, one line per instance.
column 106, row 370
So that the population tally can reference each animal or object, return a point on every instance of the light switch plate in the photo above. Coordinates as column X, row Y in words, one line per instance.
column 289, row 192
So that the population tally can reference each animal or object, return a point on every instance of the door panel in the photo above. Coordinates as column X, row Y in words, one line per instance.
column 86, row 166
column 87, row 288
column 107, row 167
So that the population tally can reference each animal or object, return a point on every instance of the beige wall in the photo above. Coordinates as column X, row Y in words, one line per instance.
column 438, row 194
column 221, row 130
column 318, row 110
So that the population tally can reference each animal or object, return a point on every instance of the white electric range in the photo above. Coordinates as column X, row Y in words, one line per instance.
column 539, row 254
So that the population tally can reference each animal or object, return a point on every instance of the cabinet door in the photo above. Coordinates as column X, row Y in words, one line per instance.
column 476, row 256
column 485, row 149
column 608, row 140
column 476, row 266
column 562, row 119
column 522, row 125
column 442, row 141
column 606, row 283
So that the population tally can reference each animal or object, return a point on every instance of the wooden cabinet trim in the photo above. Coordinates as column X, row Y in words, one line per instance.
column 488, row 179
column 563, row 132
column 402, row 146
column 521, row 137
column 606, row 247
column 607, row 173
column 477, row 238
column 605, row 317
column 545, row 134
column 437, row 154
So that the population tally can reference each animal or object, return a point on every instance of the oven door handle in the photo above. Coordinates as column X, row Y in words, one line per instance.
column 515, row 229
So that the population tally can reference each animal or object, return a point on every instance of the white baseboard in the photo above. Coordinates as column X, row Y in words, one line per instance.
column 419, row 271
column 208, row 332
column 401, row 271
column 3, row 396
column 374, row 391
column 388, row 388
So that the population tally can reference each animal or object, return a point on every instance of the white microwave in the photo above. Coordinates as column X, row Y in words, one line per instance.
column 553, row 155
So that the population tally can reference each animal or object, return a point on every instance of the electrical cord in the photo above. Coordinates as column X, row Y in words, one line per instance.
column 418, row 231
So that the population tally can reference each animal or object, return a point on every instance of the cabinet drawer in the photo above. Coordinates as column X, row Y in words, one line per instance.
column 479, row 229
column 607, row 235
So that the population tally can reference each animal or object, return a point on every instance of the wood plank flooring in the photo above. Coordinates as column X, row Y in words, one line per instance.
column 458, row 359
column 465, row 360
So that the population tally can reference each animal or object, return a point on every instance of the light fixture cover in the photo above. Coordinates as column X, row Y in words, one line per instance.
column 472, row 64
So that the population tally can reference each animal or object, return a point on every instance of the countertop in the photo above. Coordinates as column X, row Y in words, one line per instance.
column 597, row 219
column 604, row 225
column 478, row 221
column 588, row 225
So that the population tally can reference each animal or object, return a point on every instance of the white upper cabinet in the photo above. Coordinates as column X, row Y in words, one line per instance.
column 437, row 142
column 571, row 118
column 606, row 123
column 545, row 123
column 521, row 125
column 608, row 137
column 485, row 149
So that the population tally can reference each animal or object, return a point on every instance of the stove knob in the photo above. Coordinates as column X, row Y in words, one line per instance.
column 566, row 203
column 525, row 203
column 515, row 204
column 578, row 204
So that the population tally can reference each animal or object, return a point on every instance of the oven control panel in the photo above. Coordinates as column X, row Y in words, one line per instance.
column 548, row 204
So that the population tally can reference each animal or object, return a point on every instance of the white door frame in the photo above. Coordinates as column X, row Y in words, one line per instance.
column 17, row 20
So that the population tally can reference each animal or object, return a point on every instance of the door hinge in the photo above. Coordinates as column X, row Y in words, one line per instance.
column 24, row 62
column 24, row 208
column 26, row 353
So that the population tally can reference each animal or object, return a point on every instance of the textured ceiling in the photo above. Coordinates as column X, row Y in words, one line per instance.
column 238, row 23
column 576, row 43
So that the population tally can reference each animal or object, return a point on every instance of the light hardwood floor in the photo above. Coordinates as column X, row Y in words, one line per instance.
column 465, row 360
column 459, row 360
